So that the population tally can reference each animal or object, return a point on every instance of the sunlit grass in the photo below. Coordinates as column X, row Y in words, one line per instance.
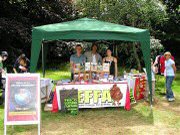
column 140, row 115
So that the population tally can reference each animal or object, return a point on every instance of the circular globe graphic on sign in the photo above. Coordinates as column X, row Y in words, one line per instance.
column 23, row 97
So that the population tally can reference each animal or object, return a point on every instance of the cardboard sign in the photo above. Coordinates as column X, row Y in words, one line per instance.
column 69, row 101
column 22, row 99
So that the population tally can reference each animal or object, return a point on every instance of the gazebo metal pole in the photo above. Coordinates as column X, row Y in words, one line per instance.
column 116, row 54
column 43, row 68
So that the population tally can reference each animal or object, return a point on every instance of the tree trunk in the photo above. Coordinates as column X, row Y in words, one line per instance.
column 135, row 52
column 136, row 57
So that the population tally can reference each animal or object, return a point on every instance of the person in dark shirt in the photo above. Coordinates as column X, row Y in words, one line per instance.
column 3, row 57
column 22, row 64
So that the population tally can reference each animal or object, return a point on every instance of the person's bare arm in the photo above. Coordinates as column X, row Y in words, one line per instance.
column 155, row 69
column 116, row 69
column 0, row 59
column 71, row 65
column 174, row 68
column 103, row 60
column 14, row 70
column 23, row 68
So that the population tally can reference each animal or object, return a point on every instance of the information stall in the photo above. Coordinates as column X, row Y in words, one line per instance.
column 101, row 93
column 86, row 29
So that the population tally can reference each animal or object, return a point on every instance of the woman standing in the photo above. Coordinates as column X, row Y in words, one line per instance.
column 169, row 73
column 112, row 62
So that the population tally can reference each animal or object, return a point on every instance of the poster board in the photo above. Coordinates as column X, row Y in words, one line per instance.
column 69, row 101
column 22, row 100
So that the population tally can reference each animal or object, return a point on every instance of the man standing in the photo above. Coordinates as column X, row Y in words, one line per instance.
column 77, row 58
column 92, row 56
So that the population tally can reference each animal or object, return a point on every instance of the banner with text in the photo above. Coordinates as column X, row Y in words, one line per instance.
column 97, row 95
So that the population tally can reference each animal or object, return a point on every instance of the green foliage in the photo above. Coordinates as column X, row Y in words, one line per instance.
column 147, row 14
column 156, row 47
column 17, row 17
column 139, row 13
column 171, row 27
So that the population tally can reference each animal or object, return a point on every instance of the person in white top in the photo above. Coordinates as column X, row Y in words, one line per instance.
column 154, row 71
column 169, row 73
column 92, row 56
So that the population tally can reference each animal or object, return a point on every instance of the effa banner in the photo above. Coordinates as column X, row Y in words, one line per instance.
column 22, row 99
column 98, row 95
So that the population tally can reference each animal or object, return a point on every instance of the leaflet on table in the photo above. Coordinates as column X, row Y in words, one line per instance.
column 87, row 66
column 106, row 67
column 93, row 66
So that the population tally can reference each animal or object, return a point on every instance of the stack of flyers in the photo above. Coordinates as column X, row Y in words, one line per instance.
column 93, row 66
column 99, row 67
column 87, row 66
column 106, row 67
column 77, row 68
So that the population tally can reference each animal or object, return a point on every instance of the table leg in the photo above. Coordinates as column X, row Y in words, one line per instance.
column 46, row 94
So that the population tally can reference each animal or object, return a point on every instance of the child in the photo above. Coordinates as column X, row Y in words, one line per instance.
column 154, row 70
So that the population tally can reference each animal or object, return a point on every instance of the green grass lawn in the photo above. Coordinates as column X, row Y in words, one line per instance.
column 163, row 119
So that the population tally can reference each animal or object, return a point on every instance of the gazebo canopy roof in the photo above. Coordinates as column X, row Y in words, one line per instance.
column 89, row 29
column 86, row 24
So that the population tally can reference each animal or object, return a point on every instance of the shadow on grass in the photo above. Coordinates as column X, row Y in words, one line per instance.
column 139, row 115
column 94, row 118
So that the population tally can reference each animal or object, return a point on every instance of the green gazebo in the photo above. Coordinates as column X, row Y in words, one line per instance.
column 88, row 29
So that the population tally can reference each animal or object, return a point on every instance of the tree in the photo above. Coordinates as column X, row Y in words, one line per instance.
column 171, row 30
column 17, row 17
column 147, row 14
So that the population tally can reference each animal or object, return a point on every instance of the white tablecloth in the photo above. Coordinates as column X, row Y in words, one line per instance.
column 46, row 87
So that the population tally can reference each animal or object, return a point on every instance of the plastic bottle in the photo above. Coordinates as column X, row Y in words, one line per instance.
column 125, row 74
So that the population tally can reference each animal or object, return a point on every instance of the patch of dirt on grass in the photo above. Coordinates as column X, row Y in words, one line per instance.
column 114, row 121
column 170, row 106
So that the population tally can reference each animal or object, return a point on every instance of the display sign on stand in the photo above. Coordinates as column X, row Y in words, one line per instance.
column 69, row 101
column 22, row 100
